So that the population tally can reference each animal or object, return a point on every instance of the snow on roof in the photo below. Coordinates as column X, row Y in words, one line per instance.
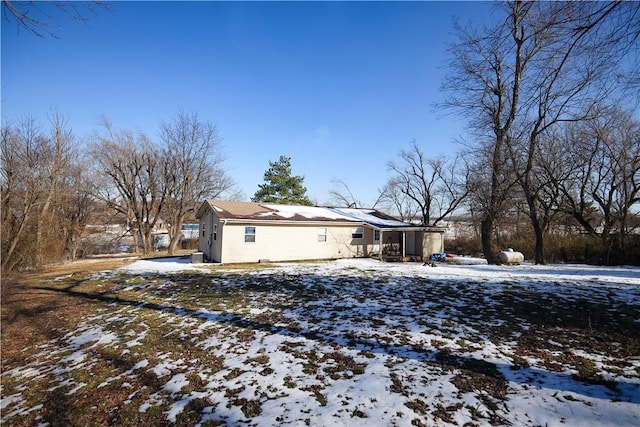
column 373, row 217
column 309, row 212
column 276, row 212
column 235, row 210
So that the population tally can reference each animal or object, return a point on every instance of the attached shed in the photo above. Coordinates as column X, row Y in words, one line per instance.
column 232, row 231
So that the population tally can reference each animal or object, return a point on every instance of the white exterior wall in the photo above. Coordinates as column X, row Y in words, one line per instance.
column 432, row 243
column 288, row 242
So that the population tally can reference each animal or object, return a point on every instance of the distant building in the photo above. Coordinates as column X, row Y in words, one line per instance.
column 190, row 232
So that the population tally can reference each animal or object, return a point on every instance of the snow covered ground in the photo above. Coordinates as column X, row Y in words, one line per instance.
column 359, row 342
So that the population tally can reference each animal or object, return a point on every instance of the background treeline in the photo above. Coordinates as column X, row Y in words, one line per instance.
column 549, row 94
column 58, row 191
column 586, row 198
column 55, row 186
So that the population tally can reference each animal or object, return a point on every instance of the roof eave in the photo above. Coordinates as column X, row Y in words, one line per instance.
column 201, row 209
column 290, row 222
column 409, row 228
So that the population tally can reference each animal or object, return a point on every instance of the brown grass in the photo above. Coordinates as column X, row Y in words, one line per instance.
column 42, row 306
column 32, row 315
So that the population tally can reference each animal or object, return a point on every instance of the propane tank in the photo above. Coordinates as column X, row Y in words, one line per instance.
column 509, row 256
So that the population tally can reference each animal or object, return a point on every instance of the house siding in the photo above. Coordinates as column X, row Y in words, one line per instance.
column 210, row 238
column 432, row 243
column 289, row 242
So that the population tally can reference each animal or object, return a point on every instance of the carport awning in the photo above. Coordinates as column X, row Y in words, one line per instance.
column 381, row 221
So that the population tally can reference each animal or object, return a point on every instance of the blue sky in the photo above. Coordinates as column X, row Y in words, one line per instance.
column 340, row 87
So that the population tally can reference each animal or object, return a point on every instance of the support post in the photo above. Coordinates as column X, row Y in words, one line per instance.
column 404, row 244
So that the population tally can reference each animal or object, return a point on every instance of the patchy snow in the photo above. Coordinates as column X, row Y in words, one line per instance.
column 370, row 343
column 162, row 265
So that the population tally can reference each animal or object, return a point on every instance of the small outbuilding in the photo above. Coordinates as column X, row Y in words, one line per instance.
column 232, row 231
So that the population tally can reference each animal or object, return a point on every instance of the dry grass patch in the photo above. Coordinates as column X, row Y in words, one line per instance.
column 229, row 340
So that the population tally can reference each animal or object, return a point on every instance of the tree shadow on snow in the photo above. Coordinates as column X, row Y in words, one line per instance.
column 532, row 377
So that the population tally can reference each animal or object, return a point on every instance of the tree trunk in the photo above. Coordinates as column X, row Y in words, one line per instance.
column 176, row 234
column 16, row 238
column 486, row 227
column 53, row 178
column 539, row 249
column 535, row 222
column 147, row 241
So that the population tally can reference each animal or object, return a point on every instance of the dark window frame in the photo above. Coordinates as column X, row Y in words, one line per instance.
column 250, row 234
column 357, row 233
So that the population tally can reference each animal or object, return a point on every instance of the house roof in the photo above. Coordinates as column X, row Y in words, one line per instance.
column 233, row 210
column 373, row 217
column 225, row 209
column 304, row 213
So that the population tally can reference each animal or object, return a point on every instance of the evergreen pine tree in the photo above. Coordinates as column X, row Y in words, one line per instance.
column 280, row 186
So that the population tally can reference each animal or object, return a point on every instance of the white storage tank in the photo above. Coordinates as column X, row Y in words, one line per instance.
column 509, row 256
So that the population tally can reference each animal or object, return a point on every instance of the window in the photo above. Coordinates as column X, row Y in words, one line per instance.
column 203, row 230
column 215, row 231
column 322, row 234
column 357, row 233
column 376, row 235
column 249, row 234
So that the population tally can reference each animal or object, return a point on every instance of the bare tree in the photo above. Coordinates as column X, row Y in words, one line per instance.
column 430, row 184
column 600, row 176
column 491, row 187
column 567, row 37
column 21, row 159
column 35, row 166
column 195, row 170
column 548, row 196
column 342, row 195
column 544, row 64
column 136, row 171
column 397, row 202
column 74, row 206
column 452, row 190
column 38, row 17
column 57, row 161
column 484, row 87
